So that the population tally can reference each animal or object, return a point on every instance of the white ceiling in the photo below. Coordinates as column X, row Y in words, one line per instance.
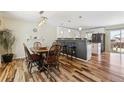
column 57, row 18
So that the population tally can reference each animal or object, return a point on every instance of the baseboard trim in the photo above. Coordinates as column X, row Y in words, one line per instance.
column 76, row 58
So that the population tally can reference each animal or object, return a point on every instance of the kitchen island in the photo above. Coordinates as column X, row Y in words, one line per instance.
column 83, row 47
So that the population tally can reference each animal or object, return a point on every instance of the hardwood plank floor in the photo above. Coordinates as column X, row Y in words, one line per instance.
column 104, row 68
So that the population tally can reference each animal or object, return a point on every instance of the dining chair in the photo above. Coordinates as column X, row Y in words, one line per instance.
column 32, row 60
column 37, row 45
column 56, row 43
column 52, row 59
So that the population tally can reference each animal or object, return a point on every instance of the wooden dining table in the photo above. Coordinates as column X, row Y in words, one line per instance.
column 42, row 51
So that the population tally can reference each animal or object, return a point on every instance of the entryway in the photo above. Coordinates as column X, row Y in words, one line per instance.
column 117, row 41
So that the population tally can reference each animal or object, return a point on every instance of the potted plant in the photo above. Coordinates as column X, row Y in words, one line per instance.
column 6, row 41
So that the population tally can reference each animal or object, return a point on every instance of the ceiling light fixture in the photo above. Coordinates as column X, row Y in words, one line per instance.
column 43, row 20
column 61, row 32
column 80, row 28
column 69, row 30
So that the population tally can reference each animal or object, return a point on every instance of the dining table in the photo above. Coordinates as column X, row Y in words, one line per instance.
column 42, row 51
column 39, row 50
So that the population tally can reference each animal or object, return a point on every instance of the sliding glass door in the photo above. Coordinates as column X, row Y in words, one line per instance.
column 117, row 41
column 122, row 40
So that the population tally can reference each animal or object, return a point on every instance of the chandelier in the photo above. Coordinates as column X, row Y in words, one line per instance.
column 43, row 21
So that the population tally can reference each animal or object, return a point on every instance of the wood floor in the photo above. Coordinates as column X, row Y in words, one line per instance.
column 105, row 68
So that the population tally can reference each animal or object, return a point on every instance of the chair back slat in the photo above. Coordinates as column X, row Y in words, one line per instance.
column 27, row 52
column 54, row 52
column 37, row 45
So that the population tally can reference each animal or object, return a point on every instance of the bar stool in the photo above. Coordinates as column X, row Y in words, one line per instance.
column 72, row 51
column 65, row 50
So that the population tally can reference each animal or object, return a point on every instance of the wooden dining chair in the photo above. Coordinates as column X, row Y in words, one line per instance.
column 52, row 59
column 56, row 43
column 31, row 59
column 37, row 45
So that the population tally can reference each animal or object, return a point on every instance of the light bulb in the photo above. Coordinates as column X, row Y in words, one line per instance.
column 69, row 30
column 80, row 28
column 61, row 32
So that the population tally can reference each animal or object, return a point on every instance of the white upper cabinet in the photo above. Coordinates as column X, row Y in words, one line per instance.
column 67, row 33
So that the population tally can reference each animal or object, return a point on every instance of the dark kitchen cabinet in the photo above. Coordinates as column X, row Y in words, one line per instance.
column 99, row 38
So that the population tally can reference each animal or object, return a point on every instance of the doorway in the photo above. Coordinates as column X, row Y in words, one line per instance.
column 117, row 41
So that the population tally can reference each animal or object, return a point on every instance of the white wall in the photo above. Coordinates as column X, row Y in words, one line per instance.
column 24, row 29
column 47, row 34
column 1, row 28
column 1, row 22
